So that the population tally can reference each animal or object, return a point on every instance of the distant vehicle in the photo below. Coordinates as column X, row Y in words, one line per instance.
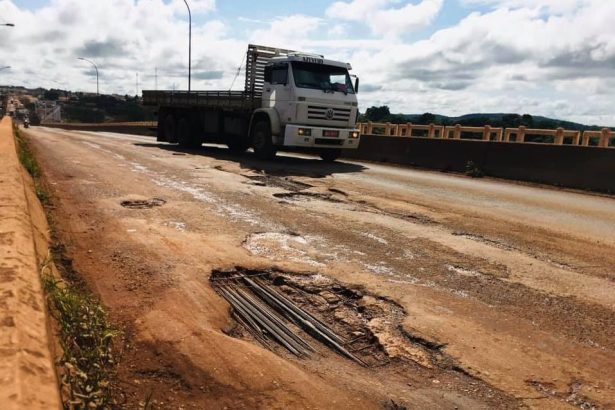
column 26, row 123
column 291, row 99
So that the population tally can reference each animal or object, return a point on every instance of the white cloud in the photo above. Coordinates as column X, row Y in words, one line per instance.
column 515, row 55
column 196, row 6
column 122, row 37
column 385, row 20
column 289, row 32
column 554, row 6
column 499, row 60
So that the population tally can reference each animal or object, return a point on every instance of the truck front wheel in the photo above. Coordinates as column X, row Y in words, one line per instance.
column 261, row 141
column 185, row 136
column 330, row 155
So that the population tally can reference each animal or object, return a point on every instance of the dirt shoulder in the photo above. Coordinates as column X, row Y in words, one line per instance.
column 26, row 369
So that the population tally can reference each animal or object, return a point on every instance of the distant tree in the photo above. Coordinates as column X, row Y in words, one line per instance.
column 396, row 119
column 427, row 118
column 511, row 120
column 378, row 114
column 527, row 120
column 51, row 95
column 475, row 121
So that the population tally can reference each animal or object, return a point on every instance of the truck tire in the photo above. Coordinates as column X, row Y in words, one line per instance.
column 185, row 136
column 169, row 128
column 330, row 155
column 238, row 145
column 261, row 141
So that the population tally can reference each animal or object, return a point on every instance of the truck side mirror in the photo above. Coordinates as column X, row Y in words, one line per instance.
column 356, row 85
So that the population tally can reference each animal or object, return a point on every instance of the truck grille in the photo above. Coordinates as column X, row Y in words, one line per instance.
column 316, row 112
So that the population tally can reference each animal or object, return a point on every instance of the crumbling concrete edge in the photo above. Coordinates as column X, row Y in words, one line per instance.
column 27, row 374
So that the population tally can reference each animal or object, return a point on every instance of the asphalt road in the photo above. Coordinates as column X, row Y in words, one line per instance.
column 481, row 292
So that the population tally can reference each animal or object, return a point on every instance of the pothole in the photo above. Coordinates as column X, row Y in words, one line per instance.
column 307, row 314
column 410, row 217
column 308, row 196
column 142, row 203
column 482, row 239
column 572, row 396
column 286, row 183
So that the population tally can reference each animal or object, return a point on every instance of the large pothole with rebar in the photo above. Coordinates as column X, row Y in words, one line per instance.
column 142, row 203
column 304, row 313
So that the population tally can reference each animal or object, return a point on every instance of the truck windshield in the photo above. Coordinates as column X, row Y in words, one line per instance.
column 322, row 77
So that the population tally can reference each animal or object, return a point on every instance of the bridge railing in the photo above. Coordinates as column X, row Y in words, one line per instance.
column 559, row 136
column 402, row 130
column 604, row 137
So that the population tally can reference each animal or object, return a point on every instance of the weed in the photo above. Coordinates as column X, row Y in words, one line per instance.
column 473, row 170
column 25, row 154
column 392, row 405
column 87, row 342
column 27, row 159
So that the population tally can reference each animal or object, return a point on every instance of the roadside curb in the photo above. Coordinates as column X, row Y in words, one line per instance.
column 27, row 374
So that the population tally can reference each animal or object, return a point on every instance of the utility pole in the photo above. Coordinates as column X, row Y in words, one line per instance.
column 156, row 78
column 137, row 85
column 189, row 44
column 91, row 62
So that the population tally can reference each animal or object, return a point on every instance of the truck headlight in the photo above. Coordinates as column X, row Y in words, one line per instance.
column 355, row 134
column 307, row 132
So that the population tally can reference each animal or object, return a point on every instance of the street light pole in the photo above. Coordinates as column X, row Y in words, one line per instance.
column 189, row 44
column 96, row 68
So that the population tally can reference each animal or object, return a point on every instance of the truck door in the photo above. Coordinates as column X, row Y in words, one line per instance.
column 276, row 89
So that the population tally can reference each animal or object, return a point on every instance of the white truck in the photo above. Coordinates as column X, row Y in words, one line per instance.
column 291, row 100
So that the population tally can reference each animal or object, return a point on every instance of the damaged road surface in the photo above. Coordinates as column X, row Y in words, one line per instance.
column 241, row 283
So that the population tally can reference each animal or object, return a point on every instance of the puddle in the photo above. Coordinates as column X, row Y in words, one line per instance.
column 142, row 203
column 282, row 245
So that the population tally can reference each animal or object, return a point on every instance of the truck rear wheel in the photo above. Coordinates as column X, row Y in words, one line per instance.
column 330, row 155
column 185, row 135
column 169, row 128
column 261, row 141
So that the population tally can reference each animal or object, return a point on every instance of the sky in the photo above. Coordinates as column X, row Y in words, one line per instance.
column 544, row 57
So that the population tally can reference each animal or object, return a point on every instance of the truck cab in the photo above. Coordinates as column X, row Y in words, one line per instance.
column 315, row 102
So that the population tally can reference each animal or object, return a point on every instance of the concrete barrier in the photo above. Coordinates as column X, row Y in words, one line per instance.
column 588, row 168
column 27, row 375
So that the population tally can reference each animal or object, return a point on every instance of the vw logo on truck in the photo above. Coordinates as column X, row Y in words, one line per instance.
column 329, row 114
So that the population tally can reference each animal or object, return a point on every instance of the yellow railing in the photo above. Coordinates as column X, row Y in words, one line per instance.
column 487, row 133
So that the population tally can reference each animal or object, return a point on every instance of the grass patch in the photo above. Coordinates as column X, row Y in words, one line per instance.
column 473, row 170
column 87, row 342
column 87, row 366
column 27, row 159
